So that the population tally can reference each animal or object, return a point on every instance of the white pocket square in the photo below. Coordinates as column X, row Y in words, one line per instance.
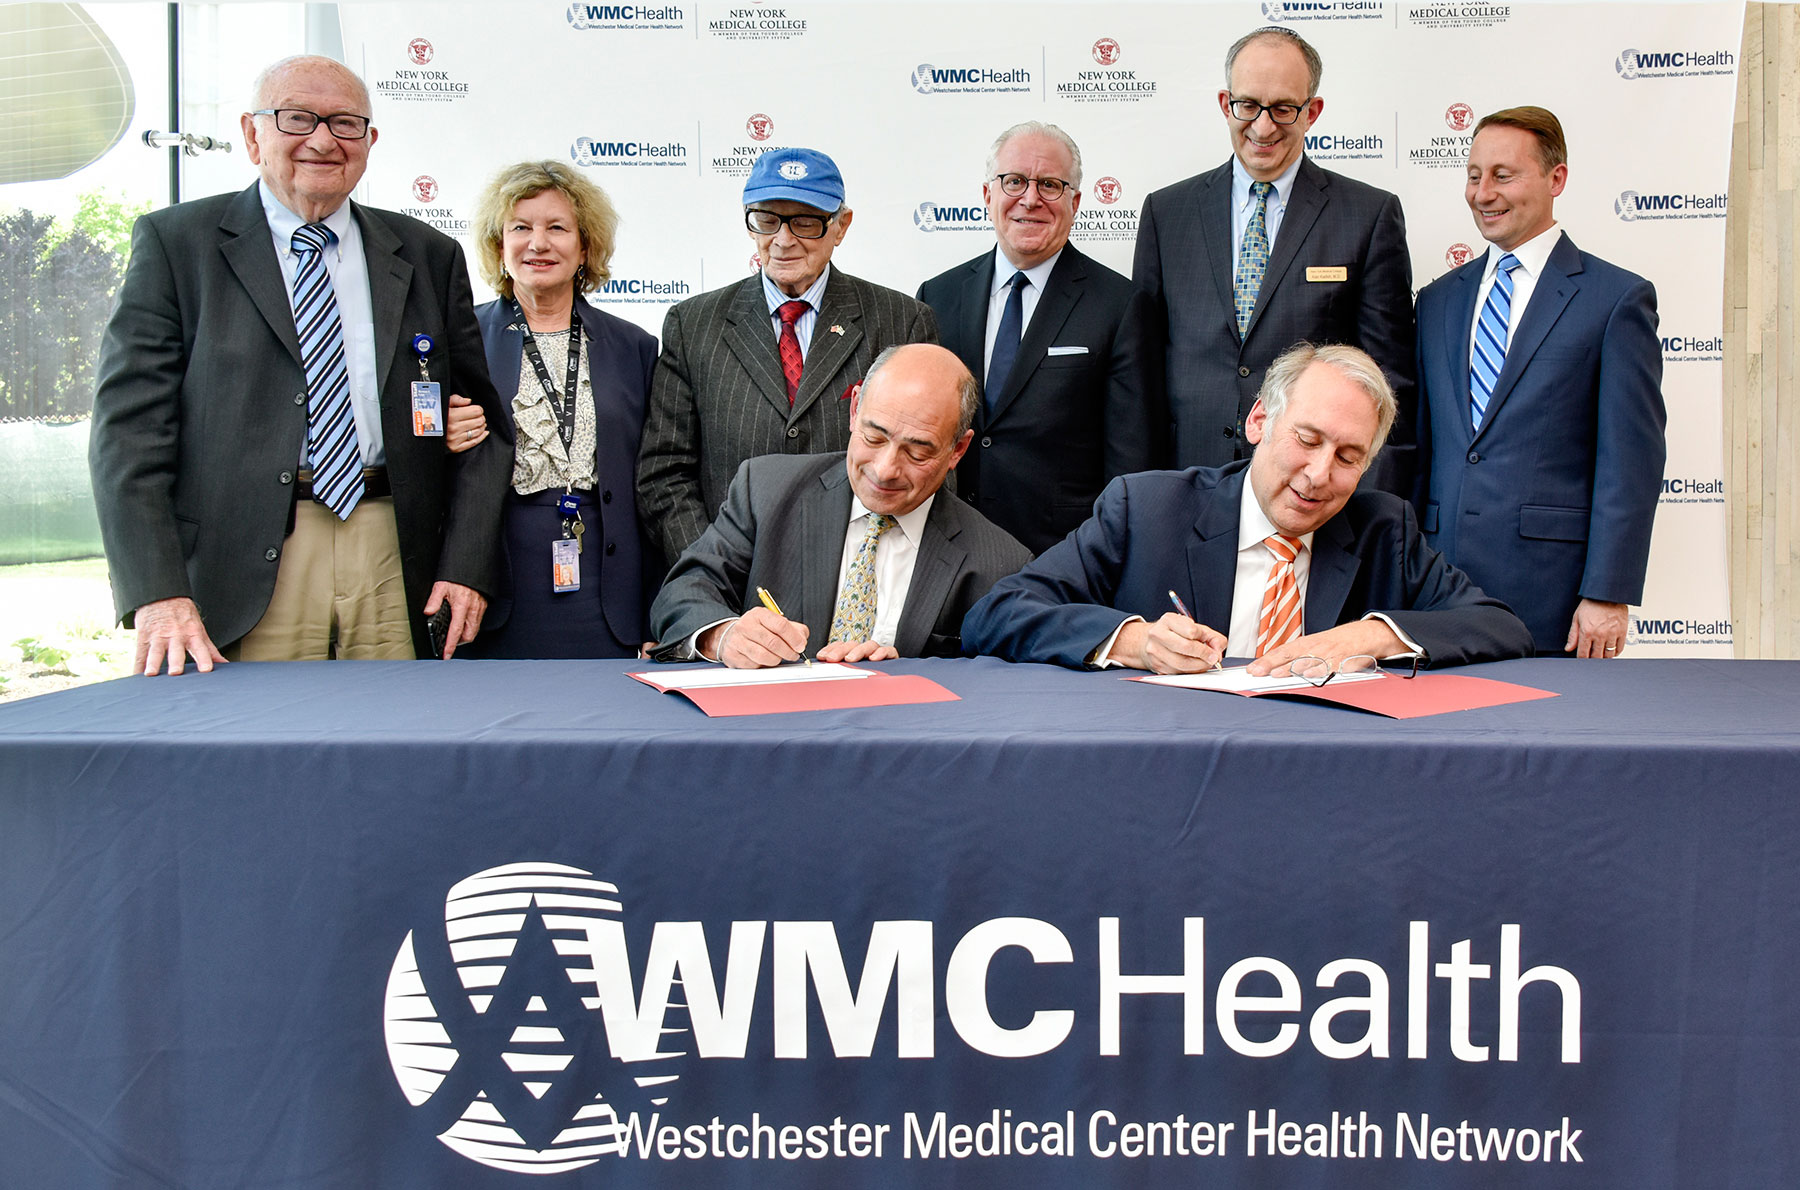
column 1068, row 351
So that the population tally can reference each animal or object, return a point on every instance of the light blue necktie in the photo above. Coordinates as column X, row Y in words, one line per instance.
column 1488, row 354
column 1253, row 256
column 331, row 442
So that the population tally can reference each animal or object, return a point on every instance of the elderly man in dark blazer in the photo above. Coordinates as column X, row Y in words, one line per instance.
column 861, row 550
column 278, row 329
column 1266, row 250
column 765, row 365
column 1059, row 338
column 1275, row 560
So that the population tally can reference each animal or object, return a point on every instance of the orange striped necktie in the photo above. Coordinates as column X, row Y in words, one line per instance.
column 1280, row 619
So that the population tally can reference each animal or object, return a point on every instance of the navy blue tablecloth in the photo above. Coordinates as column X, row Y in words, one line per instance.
column 1551, row 943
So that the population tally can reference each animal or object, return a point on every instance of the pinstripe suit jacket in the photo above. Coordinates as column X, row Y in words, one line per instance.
column 782, row 527
column 718, row 396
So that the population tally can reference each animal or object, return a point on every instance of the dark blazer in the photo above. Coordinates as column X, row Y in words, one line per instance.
column 620, row 359
column 1176, row 531
column 1553, row 500
column 1184, row 262
column 718, row 396
column 1063, row 424
column 200, row 413
column 782, row 527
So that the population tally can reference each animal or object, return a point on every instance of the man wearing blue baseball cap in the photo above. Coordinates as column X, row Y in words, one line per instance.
column 765, row 365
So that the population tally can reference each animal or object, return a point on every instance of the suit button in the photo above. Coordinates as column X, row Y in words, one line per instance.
column 1229, row 432
column 1474, row 456
column 606, row 497
column 793, row 431
column 287, row 477
column 1243, row 371
column 270, row 554
column 611, row 549
column 987, row 441
column 299, row 398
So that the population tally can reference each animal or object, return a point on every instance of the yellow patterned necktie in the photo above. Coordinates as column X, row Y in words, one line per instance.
column 854, row 619
column 1253, row 257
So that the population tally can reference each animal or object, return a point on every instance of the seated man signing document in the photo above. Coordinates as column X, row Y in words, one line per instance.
column 1275, row 559
column 859, row 552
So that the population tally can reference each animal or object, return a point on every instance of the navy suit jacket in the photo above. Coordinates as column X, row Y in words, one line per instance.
column 1334, row 227
column 1552, row 501
column 620, row 359
column 1063, row 424
column 1165, row 531
column 782, row 527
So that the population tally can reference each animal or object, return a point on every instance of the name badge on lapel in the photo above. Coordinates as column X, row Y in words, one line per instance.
column 1323, row 272
column 427, row 395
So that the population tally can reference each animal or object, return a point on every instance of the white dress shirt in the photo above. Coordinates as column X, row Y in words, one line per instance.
column 348, row 267
column 1038, row 275
column 1533, row 255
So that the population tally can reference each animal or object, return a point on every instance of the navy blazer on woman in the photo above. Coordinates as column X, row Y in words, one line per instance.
column 620, row 359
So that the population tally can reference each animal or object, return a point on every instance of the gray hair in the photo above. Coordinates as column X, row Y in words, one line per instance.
column 265, row 82
column 968, row 393
column 1352, row 363
column 1315, row 65
column 1036, row 128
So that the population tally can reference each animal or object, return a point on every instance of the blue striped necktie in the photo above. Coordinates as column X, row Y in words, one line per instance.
column 1488, row 353
column 331, row 442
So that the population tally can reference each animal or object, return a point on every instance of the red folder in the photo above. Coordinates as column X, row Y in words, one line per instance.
column 879, row 690
column 1408, row 698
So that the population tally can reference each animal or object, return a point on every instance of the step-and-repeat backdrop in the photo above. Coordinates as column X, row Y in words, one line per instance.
column 668, row 103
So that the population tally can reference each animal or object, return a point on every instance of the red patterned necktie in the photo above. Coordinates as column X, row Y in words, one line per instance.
column 1280, row 619
column 792, row 359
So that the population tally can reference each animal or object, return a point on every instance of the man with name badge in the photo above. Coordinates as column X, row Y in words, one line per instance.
column 1267, row 250
column 860, row 549
column 1276, row 559
column 1540, row 404
column 1060, row 340
column 765, row 365
column 268, row 452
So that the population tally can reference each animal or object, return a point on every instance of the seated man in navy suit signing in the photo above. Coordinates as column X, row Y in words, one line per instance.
column 1277, row 558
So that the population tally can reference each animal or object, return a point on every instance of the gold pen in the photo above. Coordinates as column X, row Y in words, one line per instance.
column 768, row 601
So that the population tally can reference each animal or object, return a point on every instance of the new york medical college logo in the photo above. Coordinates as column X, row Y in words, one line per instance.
column 490, row 1027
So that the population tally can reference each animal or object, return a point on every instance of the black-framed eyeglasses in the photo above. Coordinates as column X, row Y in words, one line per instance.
column 1049, row 189
column 1247, row 111
column 1318, row 671
column 805, row 227
column 297, row 121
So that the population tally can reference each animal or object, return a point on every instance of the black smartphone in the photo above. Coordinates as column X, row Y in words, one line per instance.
column 438, row 626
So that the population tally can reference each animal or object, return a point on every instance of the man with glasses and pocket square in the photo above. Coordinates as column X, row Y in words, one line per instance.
column 267, row 451
column 765, row 365
column 1242, row 262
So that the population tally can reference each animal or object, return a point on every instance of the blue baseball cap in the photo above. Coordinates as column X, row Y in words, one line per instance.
column 798, row 175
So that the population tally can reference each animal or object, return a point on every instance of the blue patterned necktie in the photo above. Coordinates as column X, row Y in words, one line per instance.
column 1488, row 353
column 854, row 619
column 1006, row 340
column 331, row 442
column 1253, row 256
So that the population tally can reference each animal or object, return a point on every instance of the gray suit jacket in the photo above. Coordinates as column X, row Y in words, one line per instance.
column 200, row 413
column 1185, row 261
column 782, row 527
column 718, row 396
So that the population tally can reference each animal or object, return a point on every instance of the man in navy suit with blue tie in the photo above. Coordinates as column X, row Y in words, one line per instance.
column 1540, row 404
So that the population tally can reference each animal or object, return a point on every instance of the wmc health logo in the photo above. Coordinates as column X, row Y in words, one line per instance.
column 488, row 1029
